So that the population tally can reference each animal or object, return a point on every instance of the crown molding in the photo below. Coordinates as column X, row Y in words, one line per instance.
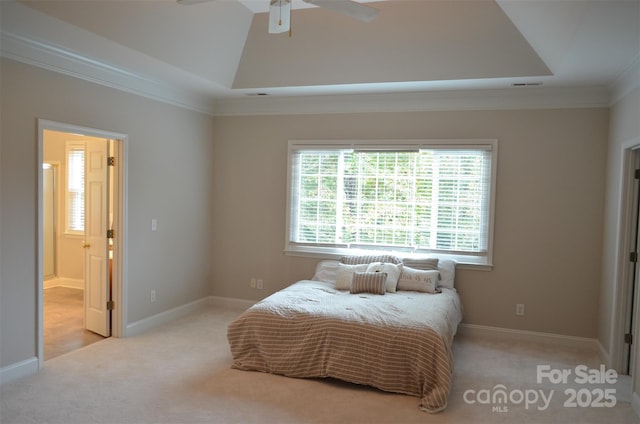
column 445, row 100
column 627, row 82
column 48, row 56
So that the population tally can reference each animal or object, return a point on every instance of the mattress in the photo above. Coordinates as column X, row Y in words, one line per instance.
column 397, row 342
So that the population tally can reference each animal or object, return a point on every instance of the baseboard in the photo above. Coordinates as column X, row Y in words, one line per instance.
column 63, row 282
column 635, row 403
column 54, row 282
column 604, row 355
column 19, row 370
column 146, row 324
column 584, row 343
column 231, row 302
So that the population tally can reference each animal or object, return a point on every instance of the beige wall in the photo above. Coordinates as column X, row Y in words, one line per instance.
column 549, row 210
column 169, row 178
column 220, row 206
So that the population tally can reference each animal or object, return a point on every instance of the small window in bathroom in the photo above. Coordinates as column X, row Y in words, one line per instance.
column 74, row 204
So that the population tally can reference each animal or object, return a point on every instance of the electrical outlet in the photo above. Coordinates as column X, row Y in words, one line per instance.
column 252, row 284
column 520, row 309
column 153, row 295
column 260, row 284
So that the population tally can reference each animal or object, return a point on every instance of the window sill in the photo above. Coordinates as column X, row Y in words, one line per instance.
column 320, row 253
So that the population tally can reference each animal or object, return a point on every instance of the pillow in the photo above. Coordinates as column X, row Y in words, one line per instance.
column 326, row 271
column 369, row 282
column 393, row 273
column 367, row 259
column 423, row 263
column 344, row 275
column 447, row 268
column 412, row 279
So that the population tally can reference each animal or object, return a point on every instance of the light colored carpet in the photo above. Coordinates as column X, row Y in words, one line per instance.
column 180, row 373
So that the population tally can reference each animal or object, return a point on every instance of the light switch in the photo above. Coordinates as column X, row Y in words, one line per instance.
column 154, row 224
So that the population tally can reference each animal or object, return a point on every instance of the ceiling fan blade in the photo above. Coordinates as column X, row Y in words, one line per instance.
column 351, row 8
column 279, row 16
column 190, row 2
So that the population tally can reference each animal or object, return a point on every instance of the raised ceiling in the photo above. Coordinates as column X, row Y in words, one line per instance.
column 438, row 41
column 201, row 54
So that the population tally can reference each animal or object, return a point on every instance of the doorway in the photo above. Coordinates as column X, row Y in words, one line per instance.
column 633, row 268
column 625, row 333
column 81, row 299
column 65, row 207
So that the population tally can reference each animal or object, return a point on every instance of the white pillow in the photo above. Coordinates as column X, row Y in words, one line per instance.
column 447, row 268
column 393, row 273
column 344, row 275
column 326, row 271
column 418, row 280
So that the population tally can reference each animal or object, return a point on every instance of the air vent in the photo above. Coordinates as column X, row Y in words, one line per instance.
column 526, row 84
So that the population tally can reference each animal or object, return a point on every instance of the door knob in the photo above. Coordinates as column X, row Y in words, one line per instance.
column 86, row 246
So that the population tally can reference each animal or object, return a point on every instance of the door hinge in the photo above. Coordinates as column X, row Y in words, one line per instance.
column 628, row 338
column 633, row 257
column 111, row 305
column 636, row 174
column 111, row 234
column 111, row 161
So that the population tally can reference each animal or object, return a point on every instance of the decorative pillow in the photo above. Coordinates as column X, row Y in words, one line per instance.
column 447, row 268
column 422, row 263
column 369, row 282
column 367, row 259
column 344, row 275
column 418, row 280
column 392, row 270
column 326, row 271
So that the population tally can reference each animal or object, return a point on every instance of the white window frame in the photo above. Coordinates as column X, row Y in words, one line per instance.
column 484, row 262
column 71, row 146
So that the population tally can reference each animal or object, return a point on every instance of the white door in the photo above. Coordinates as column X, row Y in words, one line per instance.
column 96, row 213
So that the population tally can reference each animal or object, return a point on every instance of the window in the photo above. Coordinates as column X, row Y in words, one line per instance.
column 75, row 188
column 417, row 197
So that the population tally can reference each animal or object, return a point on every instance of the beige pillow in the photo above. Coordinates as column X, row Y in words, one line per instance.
column 344, row 275
column 369, row 282
column 423, row 263
column 412, row 279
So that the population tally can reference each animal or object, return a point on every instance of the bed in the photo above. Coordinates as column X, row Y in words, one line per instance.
column 397, row 341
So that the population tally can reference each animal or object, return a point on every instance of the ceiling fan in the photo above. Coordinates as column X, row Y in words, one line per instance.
column 280, row 11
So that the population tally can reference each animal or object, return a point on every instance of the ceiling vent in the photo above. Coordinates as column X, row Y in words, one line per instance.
column 526, row 84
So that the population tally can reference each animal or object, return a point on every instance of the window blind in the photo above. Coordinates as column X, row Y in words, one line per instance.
column 428, row 199
column 75, row 189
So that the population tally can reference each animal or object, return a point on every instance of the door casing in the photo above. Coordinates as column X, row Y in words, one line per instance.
column 619, row 356
column 119, row 271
